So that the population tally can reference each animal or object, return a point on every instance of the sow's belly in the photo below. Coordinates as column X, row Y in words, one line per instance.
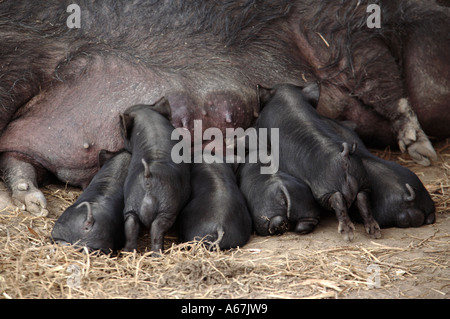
column 63, row 129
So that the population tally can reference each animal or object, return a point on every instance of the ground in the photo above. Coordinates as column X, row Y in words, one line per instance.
column 404, row 263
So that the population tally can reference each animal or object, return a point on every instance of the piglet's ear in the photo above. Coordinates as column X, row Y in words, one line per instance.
column 89, row 222
column 126, row 125
column 287, row 198
column 104, row 156
column 263, row 95
column 312, row 93
column 163, row 108
column 411, row 194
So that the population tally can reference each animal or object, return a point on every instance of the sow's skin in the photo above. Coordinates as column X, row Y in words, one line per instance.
column 95, row 220
column 277, row 201
column 398, row 197
column 156, row 188
column 217, row 212
column 310, row 150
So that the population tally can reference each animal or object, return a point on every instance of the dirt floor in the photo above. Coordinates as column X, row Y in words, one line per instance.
column 404, row 263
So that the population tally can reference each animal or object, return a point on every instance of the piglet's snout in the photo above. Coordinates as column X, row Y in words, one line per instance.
column 278, row 225
column 410, row 218
column 306, row 225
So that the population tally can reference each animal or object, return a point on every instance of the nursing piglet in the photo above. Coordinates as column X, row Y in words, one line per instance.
column 277, row 202
column 95, row 220
column 217, row 212
column 309, row 149
column 156, row 188
column 398, row 197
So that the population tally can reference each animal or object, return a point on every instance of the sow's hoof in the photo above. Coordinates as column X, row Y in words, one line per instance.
column 5, row 198
column 412, row 138
column 29, row 198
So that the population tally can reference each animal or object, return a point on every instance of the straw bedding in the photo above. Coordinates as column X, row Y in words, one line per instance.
column 404, row 263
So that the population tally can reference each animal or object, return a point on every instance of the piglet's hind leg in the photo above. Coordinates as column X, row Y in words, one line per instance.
column 371, row 225
column 345, row 227
column 159, row 228
column 131, row 231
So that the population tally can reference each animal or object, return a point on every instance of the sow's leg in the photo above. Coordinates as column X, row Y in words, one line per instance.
column 6, row 201
column 22, row 179
column 378, row 84
column 427, row 71
column 369, row 76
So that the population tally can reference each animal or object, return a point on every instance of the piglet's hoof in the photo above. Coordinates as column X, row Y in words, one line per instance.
column 346, row 230
column 416, row 142
column 373, row 230
column 30, row 199
column 156, row 254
